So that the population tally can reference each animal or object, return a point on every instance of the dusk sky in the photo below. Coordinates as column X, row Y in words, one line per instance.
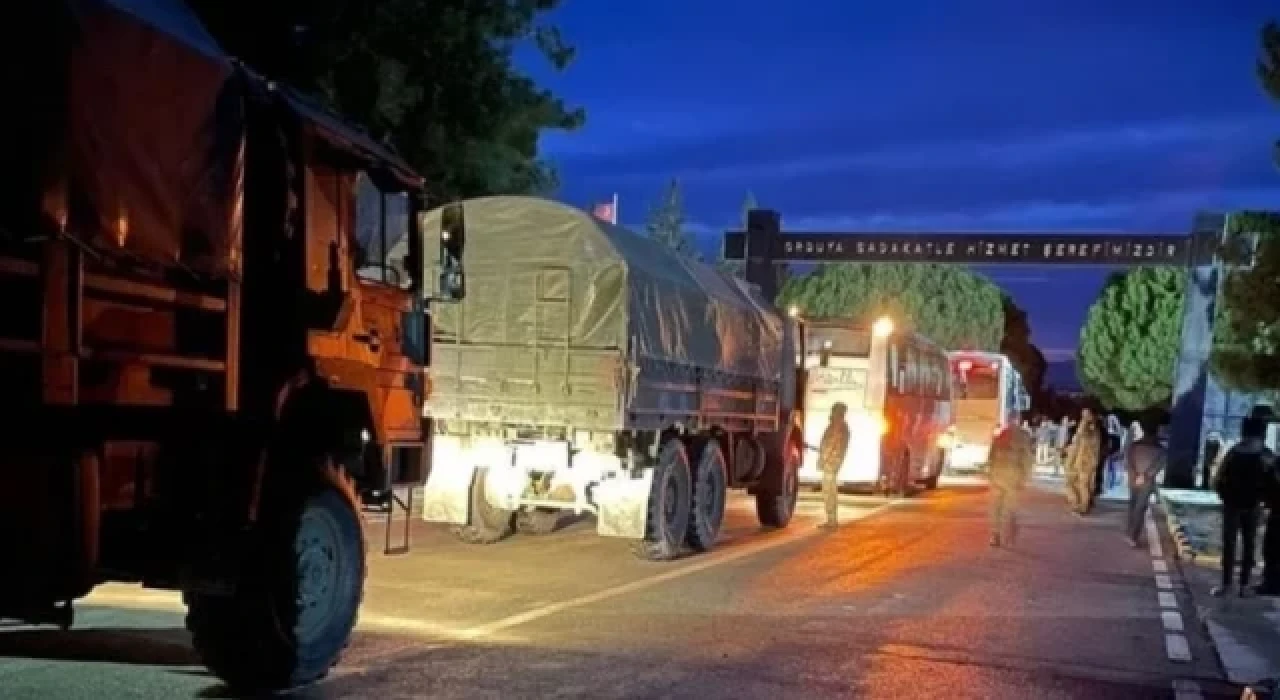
column 982, row 115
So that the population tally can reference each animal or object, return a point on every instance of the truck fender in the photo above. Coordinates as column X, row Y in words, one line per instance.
column 446, row 497
column 622, row 504
column 322, row 420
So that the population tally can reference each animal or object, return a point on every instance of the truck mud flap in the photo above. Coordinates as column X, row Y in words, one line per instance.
column 623, row 506
column 446, row 497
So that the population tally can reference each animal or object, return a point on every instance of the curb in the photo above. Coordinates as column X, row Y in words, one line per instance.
column 1178, row 531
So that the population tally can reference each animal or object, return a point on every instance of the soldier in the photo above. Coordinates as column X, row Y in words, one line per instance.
column 1011, row 462
column 831, row 451
column 1081, row 463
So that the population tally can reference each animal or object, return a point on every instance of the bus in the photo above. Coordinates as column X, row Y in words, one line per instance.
column 988, row 396
column 897, row 388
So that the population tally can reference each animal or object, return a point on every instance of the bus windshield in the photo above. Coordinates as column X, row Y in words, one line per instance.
column 978, row 381
column 842, row 342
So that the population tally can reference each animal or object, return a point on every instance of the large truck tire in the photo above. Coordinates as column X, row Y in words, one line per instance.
column 537, row 521
column 776, row 501
column 293, row 612
column 670, row 498
column 487, row 525
column 710, row 484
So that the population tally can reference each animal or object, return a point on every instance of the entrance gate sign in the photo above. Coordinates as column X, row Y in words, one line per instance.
column 973, row 248
column 764, row 245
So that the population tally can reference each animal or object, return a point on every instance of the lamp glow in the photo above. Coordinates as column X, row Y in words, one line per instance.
column 883, row 327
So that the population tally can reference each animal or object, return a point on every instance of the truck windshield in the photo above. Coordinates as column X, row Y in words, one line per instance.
column 369, row 211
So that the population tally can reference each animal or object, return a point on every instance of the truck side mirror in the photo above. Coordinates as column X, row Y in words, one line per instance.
column 453, row 238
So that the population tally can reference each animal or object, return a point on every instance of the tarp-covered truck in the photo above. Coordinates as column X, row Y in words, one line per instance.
column 591, row 370
column 199, row 369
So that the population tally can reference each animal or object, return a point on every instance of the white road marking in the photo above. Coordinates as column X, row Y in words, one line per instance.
column 1172, row 620
column 1176, row 648
column 122, row 596
column 1175, row 643
column 1187, row 690
column 701, row 564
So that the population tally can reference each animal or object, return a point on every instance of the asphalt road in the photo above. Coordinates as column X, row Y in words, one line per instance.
column 906, row 600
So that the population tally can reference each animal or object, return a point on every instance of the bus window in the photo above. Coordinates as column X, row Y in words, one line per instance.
column 913, row 371
column 892, row 368
column 839, row 342
column 979, row 381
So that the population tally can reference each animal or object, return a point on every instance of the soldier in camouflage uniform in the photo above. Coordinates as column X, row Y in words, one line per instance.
column 1084, row 456
column 1010, row 465
column 831, row 451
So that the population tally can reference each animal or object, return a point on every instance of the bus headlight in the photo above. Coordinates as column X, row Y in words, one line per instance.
column 871, row 423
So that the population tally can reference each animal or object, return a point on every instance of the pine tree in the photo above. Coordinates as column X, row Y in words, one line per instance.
column 952, row 306
column 666, row 222
column 1130, row 340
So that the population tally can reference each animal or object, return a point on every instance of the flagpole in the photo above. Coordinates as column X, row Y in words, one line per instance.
column 614, row 209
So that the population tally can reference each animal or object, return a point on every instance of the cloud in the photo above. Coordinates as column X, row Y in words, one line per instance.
column 809, row 154
column 1047, row 215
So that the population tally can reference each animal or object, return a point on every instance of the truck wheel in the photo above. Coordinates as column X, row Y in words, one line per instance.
column 292, row 615
column 707, row 511
column 537, row 521
column 776, row 505
column 667, row 516
column 487, row 525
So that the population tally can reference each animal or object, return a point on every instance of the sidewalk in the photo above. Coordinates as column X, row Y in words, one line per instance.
column 1245, row 632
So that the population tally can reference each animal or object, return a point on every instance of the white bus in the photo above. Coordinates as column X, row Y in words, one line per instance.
column 897, row 388
column 987, row 396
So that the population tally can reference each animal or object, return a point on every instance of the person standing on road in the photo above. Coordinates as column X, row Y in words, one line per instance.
column 1063, row 437
column 1044, row 441
column 1011, row 463
column 1242, row 483
column 1144, row 459
column 1271, row 498
column 1081, row 463
column 831, row 452
column 1112, row 451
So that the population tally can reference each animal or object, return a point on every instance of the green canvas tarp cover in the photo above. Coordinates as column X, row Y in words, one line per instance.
column 540, row 273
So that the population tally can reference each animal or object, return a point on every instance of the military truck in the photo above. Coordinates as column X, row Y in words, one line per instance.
column 592, row 371
column 203, row 359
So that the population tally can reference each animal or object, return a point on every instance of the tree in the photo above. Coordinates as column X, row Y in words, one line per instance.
column 1130, row 340
column 666, row 222
column 436, row 80
column 737, row 268
column 1247, row 331
column 1017, row 346
column 953, row 306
